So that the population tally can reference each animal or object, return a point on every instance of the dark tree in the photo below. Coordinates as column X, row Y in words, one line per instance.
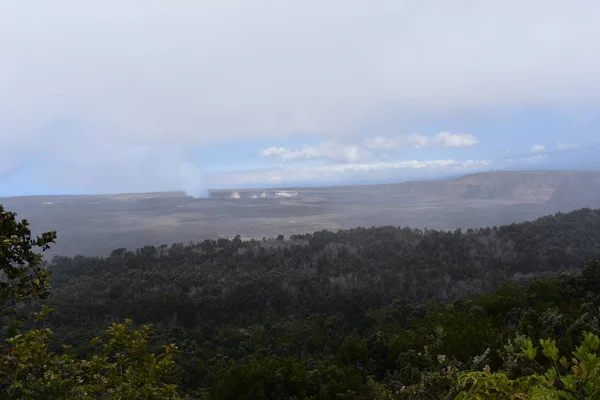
column 22, row 276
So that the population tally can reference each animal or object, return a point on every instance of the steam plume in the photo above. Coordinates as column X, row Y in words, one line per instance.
column 192, row 180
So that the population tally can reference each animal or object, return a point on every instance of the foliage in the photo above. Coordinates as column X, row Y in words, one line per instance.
column 22, row 276
column 120, row 368
column 120, row 365
column 378, row 313
column 563, row 379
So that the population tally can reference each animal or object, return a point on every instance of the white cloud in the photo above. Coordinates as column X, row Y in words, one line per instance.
column 373, row 148
column 417, row 141
column 134, row 74
column 536, row 159
column 444, row 138
column 538, row 148
column 389, row 143
column 448, row 139
column 275, row 152
column 352, row 171
column 330, row 151
column 380, row 143
column 560, row 145
column 216, row 69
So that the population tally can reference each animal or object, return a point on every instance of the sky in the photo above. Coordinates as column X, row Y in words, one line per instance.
column 138, row 96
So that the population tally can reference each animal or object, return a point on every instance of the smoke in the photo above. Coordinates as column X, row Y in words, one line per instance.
column 76, row 159
column 192, row 180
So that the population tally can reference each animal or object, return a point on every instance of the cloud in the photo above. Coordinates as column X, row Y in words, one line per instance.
column 349, row 172
column 536, row 159
column 560, row 145
column 134, row 75
column 538, row 148
column 214, row 70
column 444, row 138
column 279, row 152
column 377, row 147
column 389, row 143
column 381, row 143
column 68, row 164
column 448, row 139
column 330, row 151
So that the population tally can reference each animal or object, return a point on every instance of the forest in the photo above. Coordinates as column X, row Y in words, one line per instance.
column 367, row 313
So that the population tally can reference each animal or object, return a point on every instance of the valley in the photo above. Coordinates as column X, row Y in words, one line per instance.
column 97, row 224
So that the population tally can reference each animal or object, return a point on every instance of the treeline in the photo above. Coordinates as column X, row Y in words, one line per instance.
column 247, row 282
column 357, row 314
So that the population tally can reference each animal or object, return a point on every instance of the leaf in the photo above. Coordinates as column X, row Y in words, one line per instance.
column 549, row 349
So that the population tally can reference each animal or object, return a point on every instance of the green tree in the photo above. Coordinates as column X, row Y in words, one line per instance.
column 22, row 276
column 122, row 367
column 578, row 378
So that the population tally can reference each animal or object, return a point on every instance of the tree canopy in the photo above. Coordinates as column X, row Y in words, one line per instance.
column 121, row 366
column 22, row 276
column 367, row 313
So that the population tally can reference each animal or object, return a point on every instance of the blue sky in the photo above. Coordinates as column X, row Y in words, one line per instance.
column 188, row 95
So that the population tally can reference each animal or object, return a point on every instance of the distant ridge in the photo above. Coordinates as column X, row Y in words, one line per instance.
column 522, row 186
column 555, row 187
column 97, row 224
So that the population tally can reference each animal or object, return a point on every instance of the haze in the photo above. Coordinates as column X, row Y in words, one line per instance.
column 133, row 96
column 299, row 199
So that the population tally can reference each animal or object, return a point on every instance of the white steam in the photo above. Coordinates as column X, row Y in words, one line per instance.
column 76, row 162
column 192, row 180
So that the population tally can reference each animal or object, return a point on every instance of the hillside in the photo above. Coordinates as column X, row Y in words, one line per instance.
column 385, row 262
column 368, row 313
column 356, row 303
column 560, row 188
